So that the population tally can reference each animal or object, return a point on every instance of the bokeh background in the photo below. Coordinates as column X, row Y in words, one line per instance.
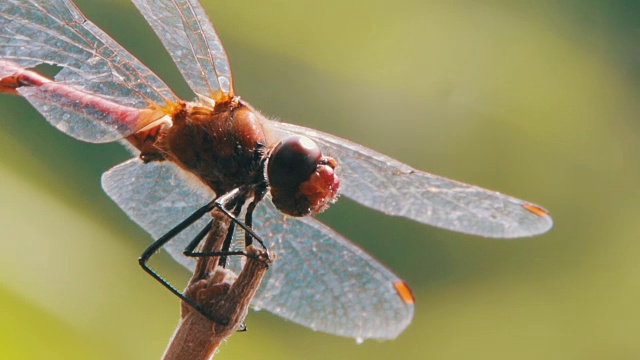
column 539, row 100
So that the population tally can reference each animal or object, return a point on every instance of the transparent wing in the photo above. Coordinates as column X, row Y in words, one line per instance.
column 158, row 196
column 323, row 281
column 319, row 278
column 191, row 40
column 94, row 66
column 387, row 185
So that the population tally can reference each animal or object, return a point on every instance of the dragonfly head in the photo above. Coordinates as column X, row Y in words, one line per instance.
column 302, row 180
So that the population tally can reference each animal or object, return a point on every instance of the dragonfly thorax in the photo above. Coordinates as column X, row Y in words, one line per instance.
column 222, row 146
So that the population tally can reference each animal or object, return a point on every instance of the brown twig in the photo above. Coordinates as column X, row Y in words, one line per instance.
column 219, row 292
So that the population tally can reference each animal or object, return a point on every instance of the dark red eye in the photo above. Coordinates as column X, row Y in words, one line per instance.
column 302, row 180
column 292, row 161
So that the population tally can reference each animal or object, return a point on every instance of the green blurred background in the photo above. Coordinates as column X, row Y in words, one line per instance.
column 539, row 100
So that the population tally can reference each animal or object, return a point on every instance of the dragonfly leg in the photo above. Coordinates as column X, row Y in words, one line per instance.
column 249, row 233
column 227, row 242
column 247, row 226
column 233, row 198
column 189, row 250
column 156, row 245
column 248, row 219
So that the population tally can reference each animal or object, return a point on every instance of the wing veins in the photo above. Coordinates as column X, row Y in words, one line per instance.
column 95, row 49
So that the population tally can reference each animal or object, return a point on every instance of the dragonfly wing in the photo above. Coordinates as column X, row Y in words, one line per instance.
column 319, row 279
column 323, row 281
column 387, row 185
column 94, row 67
column 188, row 35
column 158, row 196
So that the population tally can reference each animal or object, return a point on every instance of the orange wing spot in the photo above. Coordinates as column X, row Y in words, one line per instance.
column 405, row 293
column 536, row 209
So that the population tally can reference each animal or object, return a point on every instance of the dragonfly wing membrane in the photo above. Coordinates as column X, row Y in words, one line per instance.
column 93, row 65
column 323, row 281
column 158, row 196
column 188, row 35
column 387, row 185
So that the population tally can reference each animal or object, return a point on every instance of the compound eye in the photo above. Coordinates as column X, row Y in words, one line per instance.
column 292, row 161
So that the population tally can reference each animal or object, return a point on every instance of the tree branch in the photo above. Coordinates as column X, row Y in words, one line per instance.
column 220, row 293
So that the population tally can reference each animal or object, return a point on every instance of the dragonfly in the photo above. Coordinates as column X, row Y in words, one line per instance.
column 218, row 150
